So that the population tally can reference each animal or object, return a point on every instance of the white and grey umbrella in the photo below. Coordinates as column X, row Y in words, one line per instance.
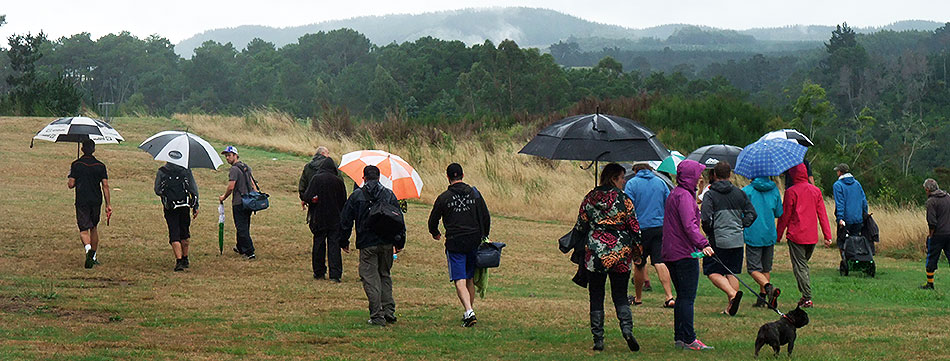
column 78, row 129
column 789, row 134
column 182, row 148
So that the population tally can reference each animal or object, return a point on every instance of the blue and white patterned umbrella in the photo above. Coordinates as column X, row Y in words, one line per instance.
column 769, row 157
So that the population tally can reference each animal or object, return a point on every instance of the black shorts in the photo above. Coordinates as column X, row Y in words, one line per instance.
column 179, row 221
column 87, row 216
column 652, row 241
column 732, row 257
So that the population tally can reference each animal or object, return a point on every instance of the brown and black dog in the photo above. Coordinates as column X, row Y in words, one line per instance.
column 781, row 332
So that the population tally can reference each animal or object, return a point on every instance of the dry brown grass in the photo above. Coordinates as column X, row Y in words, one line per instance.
column 513, row 184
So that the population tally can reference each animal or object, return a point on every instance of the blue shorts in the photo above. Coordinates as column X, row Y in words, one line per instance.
column 461, row 265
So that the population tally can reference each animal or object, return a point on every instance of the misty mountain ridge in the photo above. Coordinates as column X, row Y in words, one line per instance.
column 529, row 27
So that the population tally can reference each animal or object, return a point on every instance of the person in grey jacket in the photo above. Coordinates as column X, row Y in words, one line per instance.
column 176, row 185
column 726, row 211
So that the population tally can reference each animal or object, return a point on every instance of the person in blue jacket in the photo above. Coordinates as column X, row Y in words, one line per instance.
column 760, row 237
column 850, row 204
column 649, row 193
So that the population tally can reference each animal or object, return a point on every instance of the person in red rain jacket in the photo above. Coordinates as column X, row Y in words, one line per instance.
column 804, row 211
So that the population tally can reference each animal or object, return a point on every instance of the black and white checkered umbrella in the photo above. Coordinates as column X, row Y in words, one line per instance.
column 181, row 148
column 789, row 134
column 78, row 129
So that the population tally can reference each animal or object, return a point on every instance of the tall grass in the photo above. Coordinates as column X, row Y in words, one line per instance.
column 513, row 184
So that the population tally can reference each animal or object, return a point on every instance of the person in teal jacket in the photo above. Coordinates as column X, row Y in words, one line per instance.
column 760, row 237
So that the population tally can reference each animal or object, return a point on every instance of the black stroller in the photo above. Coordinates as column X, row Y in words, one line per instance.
column 857, row 251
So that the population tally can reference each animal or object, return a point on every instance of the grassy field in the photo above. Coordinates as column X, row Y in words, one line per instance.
column 134, row 307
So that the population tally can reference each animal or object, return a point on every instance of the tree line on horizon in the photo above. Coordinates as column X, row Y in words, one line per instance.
column 877, row 101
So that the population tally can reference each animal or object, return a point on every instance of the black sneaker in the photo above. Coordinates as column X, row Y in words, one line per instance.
column 632, row 343
column 337, row 280
column 469, row 322
column 251, row 257
column 184, row 262
column 179, row 265
column 236, row 250
column 390, row 319
column 377, row 322
column 318, row 277
column 928, row 286
column 89, row 261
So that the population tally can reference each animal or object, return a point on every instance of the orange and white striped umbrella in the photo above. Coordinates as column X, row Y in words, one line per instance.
column 394, row 172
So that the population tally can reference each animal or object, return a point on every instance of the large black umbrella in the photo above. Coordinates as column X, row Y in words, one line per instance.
column 597, row 137
column 711, row 155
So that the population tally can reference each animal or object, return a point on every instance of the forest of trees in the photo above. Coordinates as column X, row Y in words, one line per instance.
column 878, row 101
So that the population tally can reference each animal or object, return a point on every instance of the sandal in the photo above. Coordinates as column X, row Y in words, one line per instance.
column 734, row 303
column 670, row 303
column 633, row 301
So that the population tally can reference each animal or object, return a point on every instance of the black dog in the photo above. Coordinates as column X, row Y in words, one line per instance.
column 781, row 332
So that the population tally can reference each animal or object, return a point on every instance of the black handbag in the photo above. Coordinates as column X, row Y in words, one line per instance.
column 488, row 254
column 253, row 200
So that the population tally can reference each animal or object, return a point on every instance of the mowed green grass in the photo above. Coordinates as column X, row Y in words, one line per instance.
column 134, row 307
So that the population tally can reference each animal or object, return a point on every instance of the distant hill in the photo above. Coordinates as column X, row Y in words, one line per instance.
column 529, row 27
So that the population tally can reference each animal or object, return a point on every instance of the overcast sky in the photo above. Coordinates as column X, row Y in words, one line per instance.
column 178, row 19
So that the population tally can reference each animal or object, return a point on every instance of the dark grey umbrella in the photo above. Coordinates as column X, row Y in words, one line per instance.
column 597, row 137
column 711, row 155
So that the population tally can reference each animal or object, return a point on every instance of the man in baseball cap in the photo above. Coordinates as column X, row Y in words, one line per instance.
column 240, row 182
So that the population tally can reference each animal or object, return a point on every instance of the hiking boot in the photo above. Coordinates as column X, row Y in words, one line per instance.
column 89, row 259
column 760, row 301
column 597, row 329
column 697, row 345
column 803, row 303
column 928, row 286
column 184, row 262
column 179, row 265
column 772, row 292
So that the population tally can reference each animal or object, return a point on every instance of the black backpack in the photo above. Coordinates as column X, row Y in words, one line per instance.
column 385, row 219
column 174, row 189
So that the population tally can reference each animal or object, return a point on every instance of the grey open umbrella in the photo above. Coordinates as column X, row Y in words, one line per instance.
column 182, row 148
column 597, row 137
column 711, row 155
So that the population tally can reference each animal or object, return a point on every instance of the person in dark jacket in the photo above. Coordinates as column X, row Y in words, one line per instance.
column 309, row 170
column 177, row 216
column 938, row 220
column 467, row 222
column 726, row 211
column 850, row 204
column 325, row 195
column 608, row 222
column 376, row 250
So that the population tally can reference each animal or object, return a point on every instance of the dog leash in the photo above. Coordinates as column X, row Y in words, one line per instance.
column 757, row 295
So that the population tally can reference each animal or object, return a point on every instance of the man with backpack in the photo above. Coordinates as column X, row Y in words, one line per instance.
column 465, row 216
column 176, row 185
column 380, row 232
column 309, row 170
column 89, row 177
column 240, row 182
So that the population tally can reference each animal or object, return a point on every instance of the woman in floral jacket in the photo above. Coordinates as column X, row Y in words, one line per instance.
column 608, row 220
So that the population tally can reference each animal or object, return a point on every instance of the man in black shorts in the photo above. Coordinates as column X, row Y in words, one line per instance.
column 648, row 193
column 89, row 177
column 726, row 211
column 176, row 185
